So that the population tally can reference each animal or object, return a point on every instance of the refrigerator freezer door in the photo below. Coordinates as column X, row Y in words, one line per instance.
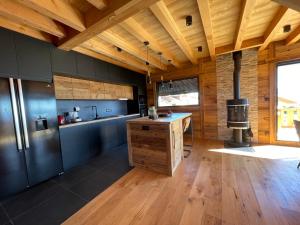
column 13, row 176
column 43, row 157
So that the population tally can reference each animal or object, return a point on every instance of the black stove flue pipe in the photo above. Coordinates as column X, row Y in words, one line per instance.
column 237, row 57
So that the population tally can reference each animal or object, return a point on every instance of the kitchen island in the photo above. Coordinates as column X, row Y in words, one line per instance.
column 156, row 144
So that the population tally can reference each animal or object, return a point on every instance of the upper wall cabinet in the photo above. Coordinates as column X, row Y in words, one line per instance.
column 63, row 62
column 81, row 89
column 85, row 66
column 71, row 88
column 97, row 90
column 101, row 69
column 63, row 87
column 33, row 59
column 8, row 62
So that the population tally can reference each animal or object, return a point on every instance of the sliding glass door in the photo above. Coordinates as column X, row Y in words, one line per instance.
column 288, row 100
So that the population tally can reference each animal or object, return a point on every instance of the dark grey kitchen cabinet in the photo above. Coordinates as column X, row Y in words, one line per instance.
column 8, row 57
column 75, row 145
column 63, row 62
column 81, row 143
column 34, row 59
column 85, row 66
column 109, row 134
column 115, row 74
column 101, row 70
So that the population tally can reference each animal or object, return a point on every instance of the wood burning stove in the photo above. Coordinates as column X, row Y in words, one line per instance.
column 237, row 114
column 237, row 108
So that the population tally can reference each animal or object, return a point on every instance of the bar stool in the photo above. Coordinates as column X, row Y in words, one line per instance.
column 297, row 126
column 187, row 128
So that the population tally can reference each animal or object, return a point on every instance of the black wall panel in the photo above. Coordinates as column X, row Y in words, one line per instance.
column 85, row 66
column 8, row 57
column 101, row 70
column 34, row 59
column 63, row 62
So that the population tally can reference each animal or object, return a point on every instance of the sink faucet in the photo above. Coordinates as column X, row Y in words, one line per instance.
column 95, row 107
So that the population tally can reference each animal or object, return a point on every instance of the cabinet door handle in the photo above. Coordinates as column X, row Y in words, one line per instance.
column 23, row 113
column 15, row 114
column 173, row 134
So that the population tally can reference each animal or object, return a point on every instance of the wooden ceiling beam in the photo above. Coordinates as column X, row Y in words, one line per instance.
column 246, row 44
column 134, row 28
column 162, row 13
column 8, row 24
column 111, row 52
column 18, row 13
column 114, row 13
column 247, row 9
column 293, row 37
column 120, row 42
column 205, row 15
column 293, row 4
column 105, row 58
column 59, row 10
column 275, row 26
column 99, row 4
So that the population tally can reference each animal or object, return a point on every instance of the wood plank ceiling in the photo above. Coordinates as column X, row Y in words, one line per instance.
column 115, row 30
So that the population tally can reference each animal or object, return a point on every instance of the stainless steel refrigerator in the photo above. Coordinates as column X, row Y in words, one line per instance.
column 29, row 138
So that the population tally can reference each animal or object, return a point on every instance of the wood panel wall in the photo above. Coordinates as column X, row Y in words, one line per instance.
column 267, row 61
column 205, row 115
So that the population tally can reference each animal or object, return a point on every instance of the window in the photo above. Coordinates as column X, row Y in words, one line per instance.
column 178, row 92
column 288, row 100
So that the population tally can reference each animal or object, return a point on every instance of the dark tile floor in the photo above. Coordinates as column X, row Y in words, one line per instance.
column 55, row 200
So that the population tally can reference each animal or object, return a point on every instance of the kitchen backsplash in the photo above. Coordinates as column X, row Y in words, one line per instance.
column 105, row 108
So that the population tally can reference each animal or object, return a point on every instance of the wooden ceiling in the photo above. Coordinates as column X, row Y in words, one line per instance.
column 115, row 30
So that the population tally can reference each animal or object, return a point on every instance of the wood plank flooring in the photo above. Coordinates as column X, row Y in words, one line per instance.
column 209, row 188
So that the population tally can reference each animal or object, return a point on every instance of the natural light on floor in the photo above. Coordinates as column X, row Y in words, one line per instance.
column 264, row 151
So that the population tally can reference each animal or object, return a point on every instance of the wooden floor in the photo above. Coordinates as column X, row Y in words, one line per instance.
column 208, row 188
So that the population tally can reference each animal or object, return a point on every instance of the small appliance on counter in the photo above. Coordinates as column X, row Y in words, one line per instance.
column 61, row 119
column 74, row 115
column 152, row 113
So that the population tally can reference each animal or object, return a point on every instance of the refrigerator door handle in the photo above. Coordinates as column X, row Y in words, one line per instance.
column 23, row 113
column 15, row 114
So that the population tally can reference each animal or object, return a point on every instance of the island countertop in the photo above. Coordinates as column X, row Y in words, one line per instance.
column 160, row 120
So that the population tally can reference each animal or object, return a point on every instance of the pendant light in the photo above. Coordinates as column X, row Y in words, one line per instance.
column 148, row 79
column 170, row 82
column 161, row 77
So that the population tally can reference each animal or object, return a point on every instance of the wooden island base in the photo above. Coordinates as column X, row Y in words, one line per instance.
column 156, row 144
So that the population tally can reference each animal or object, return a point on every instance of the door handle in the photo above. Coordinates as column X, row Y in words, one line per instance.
column 15, row 114
column 23, row 113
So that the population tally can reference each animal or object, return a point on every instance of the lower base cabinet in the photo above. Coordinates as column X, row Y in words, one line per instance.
column 83, row 142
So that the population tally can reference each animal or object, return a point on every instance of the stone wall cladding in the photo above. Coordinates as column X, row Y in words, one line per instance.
column 249, row 88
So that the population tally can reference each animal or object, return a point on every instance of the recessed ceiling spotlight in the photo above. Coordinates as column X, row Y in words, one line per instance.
column 188, row 20
column 286, row 28
column 199, row 48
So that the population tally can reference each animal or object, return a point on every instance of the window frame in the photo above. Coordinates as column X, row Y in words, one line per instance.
column 274, row 117
column 178, row 106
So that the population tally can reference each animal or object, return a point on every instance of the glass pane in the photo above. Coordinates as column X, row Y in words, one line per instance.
column 179, row 100
column 288, row 101
column 178, row 92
